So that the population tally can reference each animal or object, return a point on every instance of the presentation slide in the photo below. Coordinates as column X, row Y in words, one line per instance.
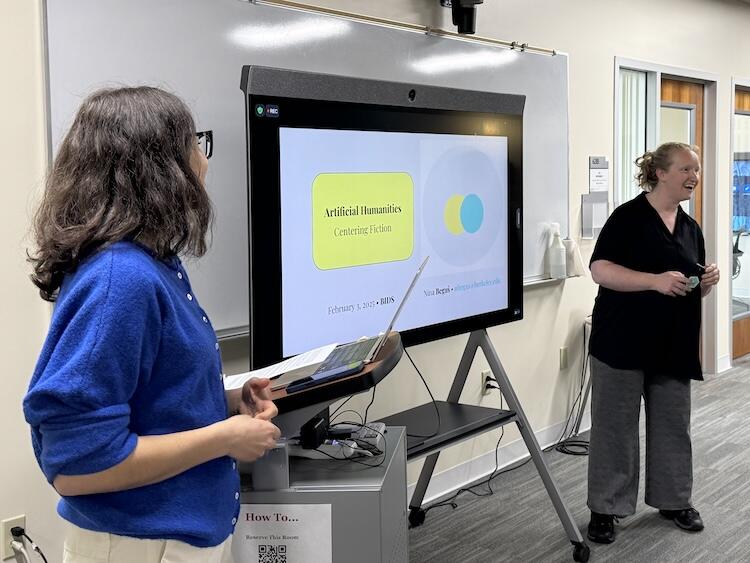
column 360, row 210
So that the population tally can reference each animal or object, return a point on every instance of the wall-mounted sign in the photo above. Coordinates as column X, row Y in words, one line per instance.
column 598, row 174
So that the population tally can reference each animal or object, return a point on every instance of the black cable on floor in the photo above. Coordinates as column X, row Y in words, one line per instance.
column 488, row 481
column 568, row 444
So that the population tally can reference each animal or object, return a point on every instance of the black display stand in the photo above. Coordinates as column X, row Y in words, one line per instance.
column 457, row 422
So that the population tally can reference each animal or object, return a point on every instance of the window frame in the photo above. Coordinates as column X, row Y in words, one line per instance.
column 743, row 84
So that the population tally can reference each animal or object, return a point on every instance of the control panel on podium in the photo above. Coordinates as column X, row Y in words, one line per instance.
column 298, row 407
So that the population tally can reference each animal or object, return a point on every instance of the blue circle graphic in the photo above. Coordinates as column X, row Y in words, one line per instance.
column 472, row 213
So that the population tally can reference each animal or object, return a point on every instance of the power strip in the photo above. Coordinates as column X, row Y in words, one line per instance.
column 370, row 436
column 336, row 449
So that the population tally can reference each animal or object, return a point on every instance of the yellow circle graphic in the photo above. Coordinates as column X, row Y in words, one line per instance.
column 452, row 214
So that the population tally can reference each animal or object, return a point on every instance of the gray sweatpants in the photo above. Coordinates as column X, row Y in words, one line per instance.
column 614, row 446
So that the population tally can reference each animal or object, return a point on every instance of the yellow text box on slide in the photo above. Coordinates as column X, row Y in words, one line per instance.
column 364, row 218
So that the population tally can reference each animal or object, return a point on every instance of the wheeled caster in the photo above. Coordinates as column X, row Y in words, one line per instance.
column 581, row 551
column 416, row 517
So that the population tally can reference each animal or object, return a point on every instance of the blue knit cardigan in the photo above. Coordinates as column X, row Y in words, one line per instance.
column 131, row 353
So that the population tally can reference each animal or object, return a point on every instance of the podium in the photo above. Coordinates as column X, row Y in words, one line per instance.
column 366, row 506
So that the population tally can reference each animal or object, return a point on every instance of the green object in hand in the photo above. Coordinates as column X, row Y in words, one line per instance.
column 693, row 282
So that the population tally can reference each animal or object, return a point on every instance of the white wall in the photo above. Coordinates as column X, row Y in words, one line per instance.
column 707, row 35
column 23, row 489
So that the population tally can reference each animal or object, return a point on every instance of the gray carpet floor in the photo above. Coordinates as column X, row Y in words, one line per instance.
column 518, row 522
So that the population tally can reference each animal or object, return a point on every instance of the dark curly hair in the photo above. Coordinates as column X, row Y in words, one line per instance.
column 121, row 173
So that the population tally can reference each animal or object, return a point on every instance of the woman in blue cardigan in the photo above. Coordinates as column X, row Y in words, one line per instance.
column 130, row 422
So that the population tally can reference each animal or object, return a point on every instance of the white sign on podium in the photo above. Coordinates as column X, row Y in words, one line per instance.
column 292, row 533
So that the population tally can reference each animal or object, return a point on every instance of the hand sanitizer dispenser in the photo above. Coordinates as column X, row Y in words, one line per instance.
column 556, row 254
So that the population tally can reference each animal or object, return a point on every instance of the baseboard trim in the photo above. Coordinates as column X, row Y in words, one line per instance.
column 723, row 363
column 472, row 471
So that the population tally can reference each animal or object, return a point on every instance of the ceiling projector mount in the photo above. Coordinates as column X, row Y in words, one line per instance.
column 464, row 14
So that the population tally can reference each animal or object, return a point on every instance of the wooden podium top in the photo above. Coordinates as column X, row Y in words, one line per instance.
column 329, row 391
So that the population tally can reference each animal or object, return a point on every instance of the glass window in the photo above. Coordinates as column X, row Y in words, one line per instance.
column 632, row 131
column 677, row 124
column 741, row 216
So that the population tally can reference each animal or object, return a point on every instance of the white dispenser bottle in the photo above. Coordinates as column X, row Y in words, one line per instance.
column 556, row 254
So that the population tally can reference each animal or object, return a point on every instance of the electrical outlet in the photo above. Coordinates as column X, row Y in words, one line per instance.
column 485, row 374
column 5, row 536
column 564, row 357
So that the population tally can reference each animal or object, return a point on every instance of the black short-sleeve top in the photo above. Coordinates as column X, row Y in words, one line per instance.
column 646, row 330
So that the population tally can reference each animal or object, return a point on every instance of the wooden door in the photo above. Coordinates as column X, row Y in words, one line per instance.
column 688, row 94
column 741, row 327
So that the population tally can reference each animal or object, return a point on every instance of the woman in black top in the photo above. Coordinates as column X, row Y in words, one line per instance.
column 649, row 262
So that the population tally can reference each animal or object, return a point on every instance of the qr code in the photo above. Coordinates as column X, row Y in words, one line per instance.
column 271, row 554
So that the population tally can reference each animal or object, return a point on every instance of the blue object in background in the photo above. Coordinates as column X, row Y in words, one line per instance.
column 741, row 196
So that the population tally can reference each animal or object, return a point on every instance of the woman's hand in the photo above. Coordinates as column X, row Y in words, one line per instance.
column 709, row 279
column 671, row 283
column 248, row 438
column 161, row 456
column 256, row 399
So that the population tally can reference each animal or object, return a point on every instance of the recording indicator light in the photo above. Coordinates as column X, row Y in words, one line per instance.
column 272, row 111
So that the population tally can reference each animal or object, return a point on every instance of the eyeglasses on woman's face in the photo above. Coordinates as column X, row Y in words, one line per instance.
column 206, row 142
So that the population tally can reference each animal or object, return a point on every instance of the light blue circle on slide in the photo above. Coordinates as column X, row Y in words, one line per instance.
column 472, row 213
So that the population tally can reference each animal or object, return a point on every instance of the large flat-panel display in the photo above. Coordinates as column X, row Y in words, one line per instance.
column 352, row 183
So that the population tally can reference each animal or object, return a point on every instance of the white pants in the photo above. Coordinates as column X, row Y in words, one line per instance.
column 85, row 546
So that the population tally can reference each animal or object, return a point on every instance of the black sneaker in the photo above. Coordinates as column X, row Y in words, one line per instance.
column 601, row 528
column 688, row 518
